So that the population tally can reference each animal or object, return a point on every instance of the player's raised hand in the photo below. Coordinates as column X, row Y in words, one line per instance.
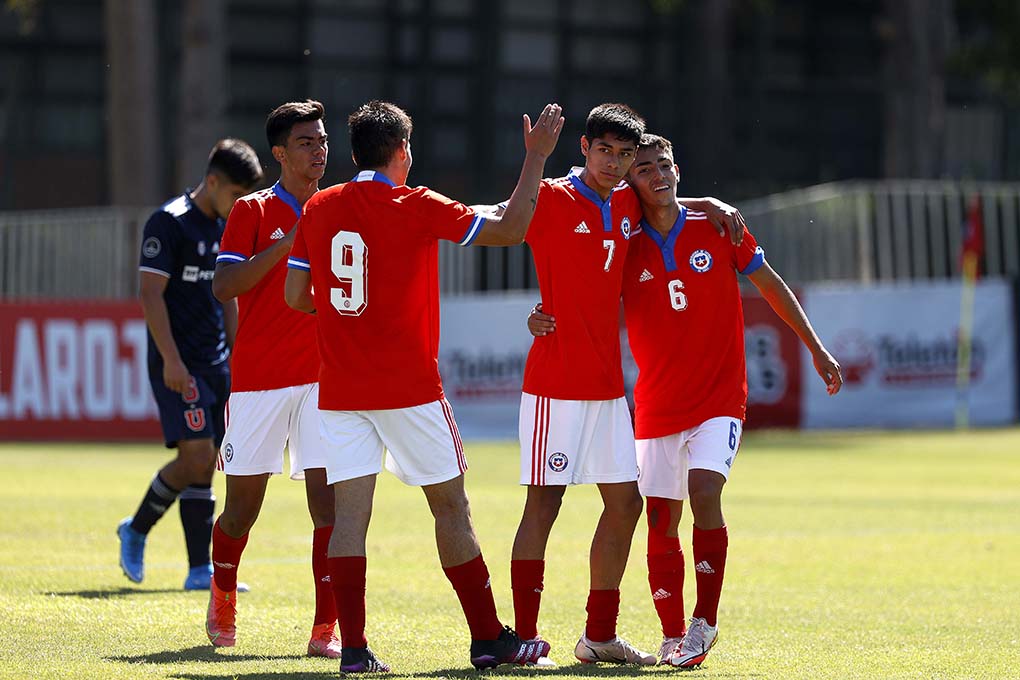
column 540, row 324
column 727, row 220
column 541, row 137
column 829, row 370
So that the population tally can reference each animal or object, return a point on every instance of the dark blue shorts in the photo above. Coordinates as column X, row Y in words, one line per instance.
column 197, row 414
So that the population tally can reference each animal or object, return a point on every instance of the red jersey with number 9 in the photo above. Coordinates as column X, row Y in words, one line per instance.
column 685, row 324
column 580, row 243
column 372, row 249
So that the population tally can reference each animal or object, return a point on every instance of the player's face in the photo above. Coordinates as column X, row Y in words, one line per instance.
column 607, row 159
column 654, row 176
column 223, row 193
column 304, row 154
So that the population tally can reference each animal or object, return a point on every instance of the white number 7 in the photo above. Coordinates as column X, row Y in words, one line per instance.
column 610, row 245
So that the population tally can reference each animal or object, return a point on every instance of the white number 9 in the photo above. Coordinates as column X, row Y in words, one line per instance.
column 349, row 262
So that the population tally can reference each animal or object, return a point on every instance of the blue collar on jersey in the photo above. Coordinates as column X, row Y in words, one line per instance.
column 605, row 207
column 288, row 198
column 372, row 176
column 668, row 245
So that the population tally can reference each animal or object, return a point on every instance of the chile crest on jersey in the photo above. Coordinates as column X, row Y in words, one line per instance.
column 625, row 227
column 701, row 260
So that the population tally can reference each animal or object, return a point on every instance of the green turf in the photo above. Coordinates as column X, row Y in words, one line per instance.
column 857, row 555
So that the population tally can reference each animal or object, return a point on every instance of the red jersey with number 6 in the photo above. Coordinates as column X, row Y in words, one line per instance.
column 685, row 324
column 275, row 345
column 580, row 243
column 373, row 252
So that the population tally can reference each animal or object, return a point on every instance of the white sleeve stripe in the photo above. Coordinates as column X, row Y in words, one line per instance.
column 231, row 257
column 152, row 270
column 295, row 263
column 472, row 231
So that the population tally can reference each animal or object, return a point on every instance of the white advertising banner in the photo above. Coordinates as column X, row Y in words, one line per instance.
column 484, row 342
column 897, row 345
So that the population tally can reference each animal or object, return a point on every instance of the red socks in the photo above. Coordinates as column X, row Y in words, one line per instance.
column 526, row 581
column 603, row 608
column 325, row 607
column 666, row 582
column 471, row 582
column 709, row 564
column 347, row 577
column 226, row 555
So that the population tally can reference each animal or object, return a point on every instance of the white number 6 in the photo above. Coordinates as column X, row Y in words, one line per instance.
column 676, row 295
column 349, row 262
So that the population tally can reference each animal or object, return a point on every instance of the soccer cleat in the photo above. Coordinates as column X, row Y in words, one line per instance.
column 668, row 648
column 542, row 661
column 132, row 551
column 507, row 648
column 699, row 639
column 324, row 641
column 361, row 660
column 220, row 619
column 200, row 577
column 616, row 650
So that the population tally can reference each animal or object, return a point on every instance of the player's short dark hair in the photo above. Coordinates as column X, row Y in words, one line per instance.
column 284, row 117
column 377, row 128
column 659, row 142
column 614, row 119
column 235, row 160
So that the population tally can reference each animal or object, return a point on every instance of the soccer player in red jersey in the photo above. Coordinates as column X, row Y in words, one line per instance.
column 575, row 423
column 685, row 326
column 369, row 251
column 275, row 367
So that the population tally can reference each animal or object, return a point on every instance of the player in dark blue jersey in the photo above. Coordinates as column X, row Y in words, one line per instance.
column 190, row 334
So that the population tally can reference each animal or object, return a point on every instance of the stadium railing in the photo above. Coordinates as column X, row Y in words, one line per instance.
column 843, row 231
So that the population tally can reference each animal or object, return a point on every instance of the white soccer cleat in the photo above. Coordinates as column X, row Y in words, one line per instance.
column 616, row 650
column 668, row 649
column 699, row 639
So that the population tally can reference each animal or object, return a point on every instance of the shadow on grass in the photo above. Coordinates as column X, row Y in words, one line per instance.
column 206, row 653
column 577, row 669
column 111, row 593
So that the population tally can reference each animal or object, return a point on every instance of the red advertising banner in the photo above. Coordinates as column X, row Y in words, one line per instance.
column 773, row 367
column 74, row 371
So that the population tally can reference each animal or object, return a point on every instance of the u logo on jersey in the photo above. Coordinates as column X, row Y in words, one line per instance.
column 194, row 418
column 701, row 261
column 625, row 227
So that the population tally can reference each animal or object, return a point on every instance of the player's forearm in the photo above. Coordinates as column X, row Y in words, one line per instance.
column 513, row 225
column 233, row 279
column 297, row 291
column 784, row 303
column 158, row 320
column 230, row 321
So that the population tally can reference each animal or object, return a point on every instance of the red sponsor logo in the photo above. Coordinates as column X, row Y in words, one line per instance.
column 195, row 419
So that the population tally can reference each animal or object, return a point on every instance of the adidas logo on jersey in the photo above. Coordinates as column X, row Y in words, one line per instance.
column 582, row 228
column 277, row 235
column 646, row 276
column 704, row 567
column 661, row 594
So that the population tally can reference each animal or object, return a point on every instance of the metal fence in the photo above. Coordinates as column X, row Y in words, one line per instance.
column 845, row 231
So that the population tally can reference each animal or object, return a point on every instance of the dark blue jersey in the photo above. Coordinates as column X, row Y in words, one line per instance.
column 180, row 242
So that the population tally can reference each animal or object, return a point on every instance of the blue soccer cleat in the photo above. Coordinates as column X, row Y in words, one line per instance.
column 200, row 577
column 132, row 551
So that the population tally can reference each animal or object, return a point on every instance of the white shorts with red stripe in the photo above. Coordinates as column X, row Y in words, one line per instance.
column 576, row 442
column 260, row 424
column 422, row 443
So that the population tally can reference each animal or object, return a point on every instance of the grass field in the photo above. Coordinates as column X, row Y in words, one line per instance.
column 864, row 555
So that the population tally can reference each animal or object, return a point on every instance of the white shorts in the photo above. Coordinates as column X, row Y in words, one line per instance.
column 665, row 461
column 423, row 443
column 261, row 423
column 576, row 442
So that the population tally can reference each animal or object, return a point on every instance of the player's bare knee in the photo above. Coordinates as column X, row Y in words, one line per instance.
column 543, row 504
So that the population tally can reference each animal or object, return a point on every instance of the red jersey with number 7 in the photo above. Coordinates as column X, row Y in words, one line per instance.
column 580, row 243
column 373, row 252
column 685, row 324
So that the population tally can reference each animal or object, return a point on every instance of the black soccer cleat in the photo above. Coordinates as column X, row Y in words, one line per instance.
column 507, row 648
column 361, row 660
